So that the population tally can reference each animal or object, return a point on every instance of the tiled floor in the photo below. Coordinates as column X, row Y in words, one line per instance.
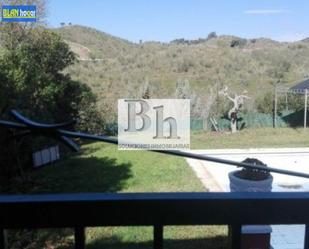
column 215, row 178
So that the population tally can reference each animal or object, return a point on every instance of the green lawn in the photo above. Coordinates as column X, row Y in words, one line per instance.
column 102, row 168
column 251, row 138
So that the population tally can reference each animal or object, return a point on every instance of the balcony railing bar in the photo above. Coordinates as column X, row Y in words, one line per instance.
column 153, row 209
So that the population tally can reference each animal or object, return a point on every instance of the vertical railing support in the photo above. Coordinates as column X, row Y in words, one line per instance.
column 235, row 234
column 2, row 239
column 306, row 244
column 158, row 237
column 79, row 235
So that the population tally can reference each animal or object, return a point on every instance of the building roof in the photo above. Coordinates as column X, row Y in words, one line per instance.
column 301, row 86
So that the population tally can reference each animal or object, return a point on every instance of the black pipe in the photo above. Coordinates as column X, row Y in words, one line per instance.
column 64, row 136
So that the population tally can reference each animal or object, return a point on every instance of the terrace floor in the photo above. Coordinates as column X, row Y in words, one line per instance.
column 214, row 176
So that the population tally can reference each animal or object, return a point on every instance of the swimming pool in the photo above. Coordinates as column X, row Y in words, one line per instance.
column 296, row 159
column 215, row 177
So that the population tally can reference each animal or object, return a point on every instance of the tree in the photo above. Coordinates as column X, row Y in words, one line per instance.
column 238, row 101
column 199, row 107
column 264, row 104
column 144, row 91
column 34, row 70
column 290, row 101
column 239, row 42
column 32, row 80
column 211, row 35
column 182, row 89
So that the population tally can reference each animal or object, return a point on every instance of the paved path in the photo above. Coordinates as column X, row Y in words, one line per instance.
column 214, row 176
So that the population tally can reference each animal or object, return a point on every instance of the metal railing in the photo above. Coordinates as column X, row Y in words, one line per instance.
column 153, row 209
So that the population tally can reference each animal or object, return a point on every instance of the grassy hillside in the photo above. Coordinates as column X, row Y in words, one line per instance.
column 99, row 43
column 208, row 64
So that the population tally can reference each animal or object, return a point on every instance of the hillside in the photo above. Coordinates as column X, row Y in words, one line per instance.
column 99, row 43
column 254, row 65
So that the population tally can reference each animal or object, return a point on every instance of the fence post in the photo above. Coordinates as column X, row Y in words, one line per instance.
column 275, row 109
column 305, row 109
column 79, row 236
column 158, row 237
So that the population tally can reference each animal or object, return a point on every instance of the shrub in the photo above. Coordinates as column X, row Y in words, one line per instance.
column 253, row 174
column 238, row 43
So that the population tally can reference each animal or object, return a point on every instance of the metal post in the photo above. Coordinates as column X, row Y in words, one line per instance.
column 79, row 236
column 235, row 234
column 2, row 239
column 305, row 109
column 158, row 237
column 275, row 109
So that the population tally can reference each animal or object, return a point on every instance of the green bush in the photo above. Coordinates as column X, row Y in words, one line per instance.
column 32, row 81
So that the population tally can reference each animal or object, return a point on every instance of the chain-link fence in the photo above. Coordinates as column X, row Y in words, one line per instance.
column 252, row 120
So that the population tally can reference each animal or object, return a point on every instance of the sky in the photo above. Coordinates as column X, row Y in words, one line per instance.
column 165, row 20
